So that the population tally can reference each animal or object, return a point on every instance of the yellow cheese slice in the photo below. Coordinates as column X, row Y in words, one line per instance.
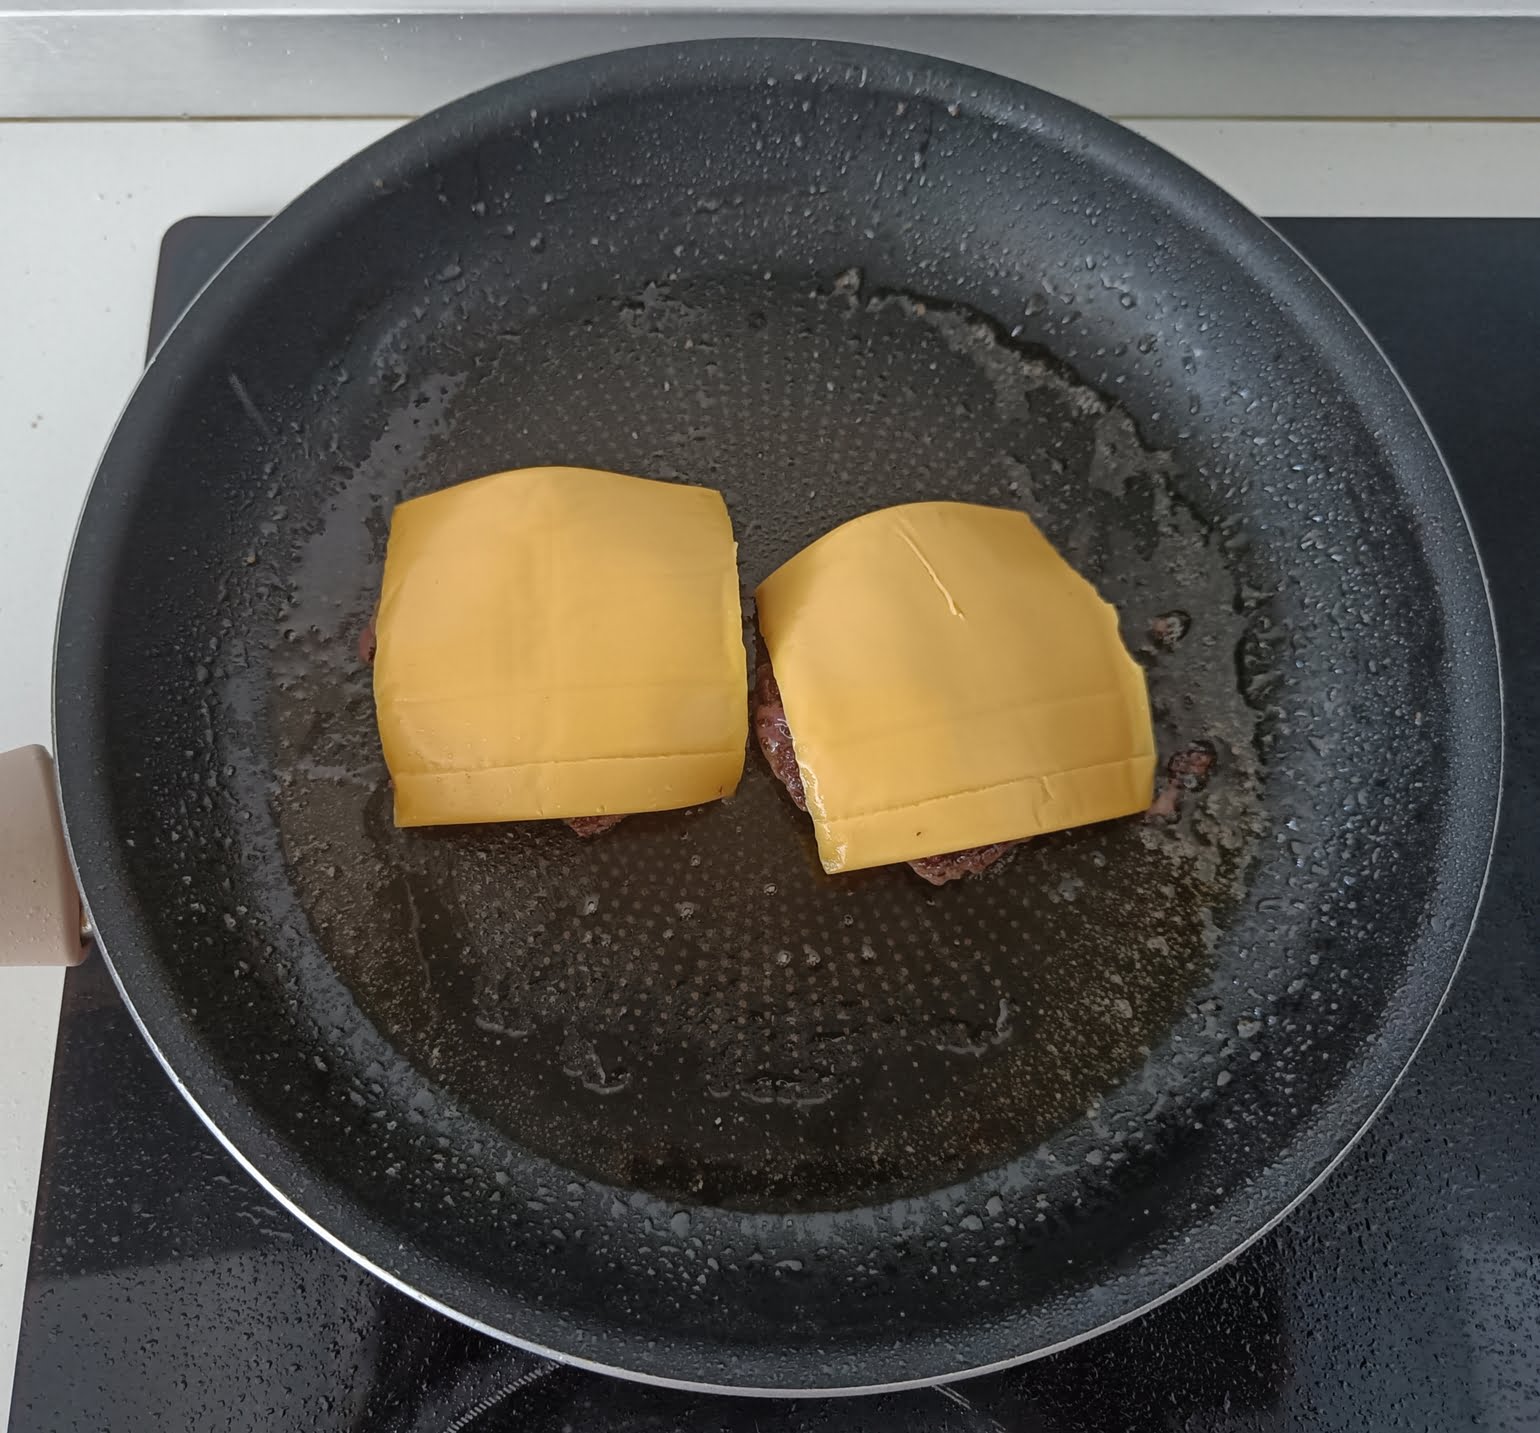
column 951, row 681
column 560, row 642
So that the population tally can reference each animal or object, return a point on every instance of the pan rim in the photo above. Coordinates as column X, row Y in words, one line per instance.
column 192, row 1067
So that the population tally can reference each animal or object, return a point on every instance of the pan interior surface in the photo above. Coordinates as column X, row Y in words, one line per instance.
column 688, row 1005
column 672, row 1101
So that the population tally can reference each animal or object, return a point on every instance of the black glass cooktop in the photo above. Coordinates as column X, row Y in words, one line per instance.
column 168, row 1292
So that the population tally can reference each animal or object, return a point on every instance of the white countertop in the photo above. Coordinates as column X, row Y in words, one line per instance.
column 85, row 207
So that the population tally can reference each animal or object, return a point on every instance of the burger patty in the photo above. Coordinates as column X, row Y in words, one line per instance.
column 774, row 735
column 585, row 826
column 1187, row 771
column 954, row 865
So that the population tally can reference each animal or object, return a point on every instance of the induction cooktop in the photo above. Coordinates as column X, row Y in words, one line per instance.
column 168, row 1292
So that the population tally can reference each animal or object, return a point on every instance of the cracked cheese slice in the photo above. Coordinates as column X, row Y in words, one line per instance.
column 560, row 642
column 950, row 681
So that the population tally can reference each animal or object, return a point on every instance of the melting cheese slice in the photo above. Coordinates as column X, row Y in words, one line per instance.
column 951, row 681
column 560, row 642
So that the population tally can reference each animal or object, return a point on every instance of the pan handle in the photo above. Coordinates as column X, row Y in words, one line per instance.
column 40, row 913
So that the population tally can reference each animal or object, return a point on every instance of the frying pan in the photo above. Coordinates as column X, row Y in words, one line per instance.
column 671, row 1103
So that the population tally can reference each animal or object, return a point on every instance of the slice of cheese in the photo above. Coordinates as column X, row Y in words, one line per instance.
column 560, row 642
column 951, row 681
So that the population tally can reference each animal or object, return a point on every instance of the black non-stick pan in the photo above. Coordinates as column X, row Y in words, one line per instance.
column 671, row 1102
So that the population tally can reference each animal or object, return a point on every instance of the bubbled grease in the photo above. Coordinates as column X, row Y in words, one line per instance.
column 687, row 1005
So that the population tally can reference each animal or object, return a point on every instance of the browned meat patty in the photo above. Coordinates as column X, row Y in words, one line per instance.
column 1187, row 771
column 366, row 640
column 938, row 870
column 774, row 735
column 585, row 826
